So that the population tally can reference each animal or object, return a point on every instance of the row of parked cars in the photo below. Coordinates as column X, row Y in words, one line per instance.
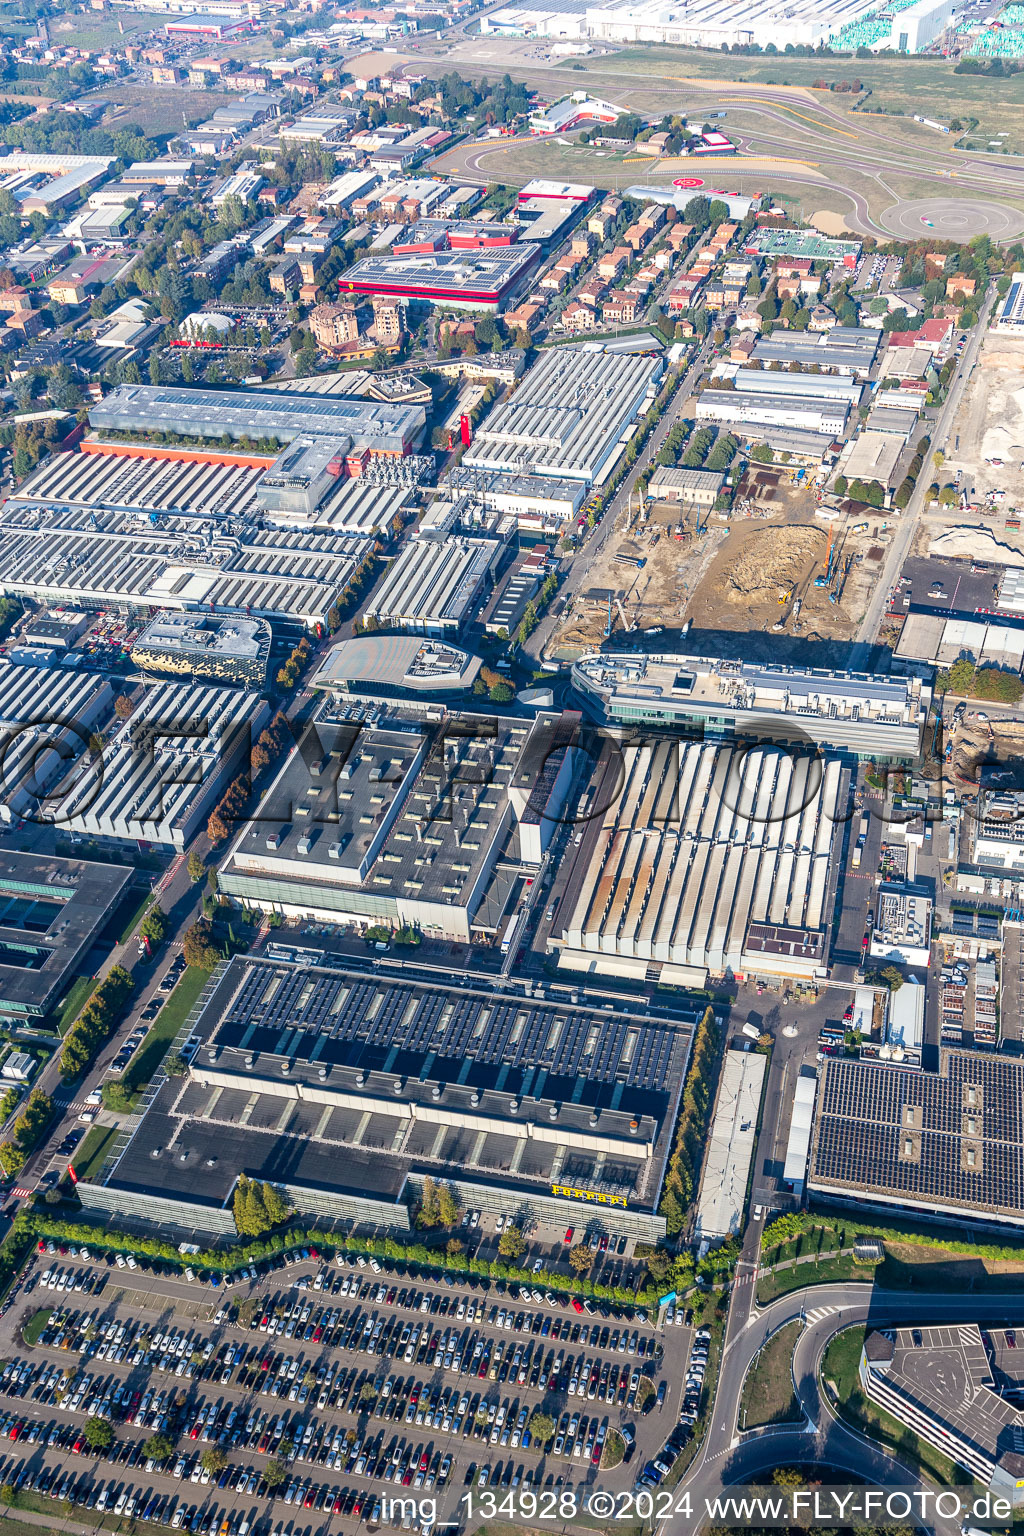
column 659, row 1467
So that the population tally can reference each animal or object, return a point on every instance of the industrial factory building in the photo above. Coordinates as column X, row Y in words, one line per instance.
column 53, row 912
column 353, row 423
column 706, row 24
column 709, row 861
column 226, row 650
column 435, row 586
column 942, row 1144
column 347, row 1090
column 107, row 528
column 411, row 819
column 845, row 349
column 569, row 417
column 747, row 410
column 163, row 769
column 848, row 712
column 48, row 720
column 459, row 279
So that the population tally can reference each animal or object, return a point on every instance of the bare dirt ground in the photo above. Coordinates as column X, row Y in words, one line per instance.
column 990, row 425
column 989, row 741
column 736, row 585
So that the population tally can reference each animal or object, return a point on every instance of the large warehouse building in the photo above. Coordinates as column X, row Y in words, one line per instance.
column 176, row 532
column 435, row 585
column 409, row 820
column 162, row 770
column 52, row 911
column 746, row 411
column 848, row 712
column 569, row 416
column 346, row 1089
column 703, row 24
column 946, row 1144
column 363, row 425
column 458, row 279
column 708, row 860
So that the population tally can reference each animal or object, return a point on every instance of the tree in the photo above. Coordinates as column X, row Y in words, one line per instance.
column 275, row 1472
column 198, row 947
column 501, row 692
column 960, row 676
column 892, row 977
column 154, row 925
column 175, row 1064
column 195, row 866
column 430, row 1203
column 580, row 1257
column 257, row 1207
column 367, row 1392
column 512, row 1243
column 841, row 486
column 122, row 706
column 8, row 1494
column 158, row 1447
column 542, row 1426
column 449, row 1205
column 214, row 1460
column 99, row 1435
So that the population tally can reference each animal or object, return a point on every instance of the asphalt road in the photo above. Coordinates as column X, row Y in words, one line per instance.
column 814, row 143
column 729, row 1456
column 906, row 528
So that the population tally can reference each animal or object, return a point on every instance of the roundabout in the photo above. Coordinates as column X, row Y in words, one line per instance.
column 950, row 218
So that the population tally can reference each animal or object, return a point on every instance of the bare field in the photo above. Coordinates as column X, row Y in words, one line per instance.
column 156, row 108
column 990, row 426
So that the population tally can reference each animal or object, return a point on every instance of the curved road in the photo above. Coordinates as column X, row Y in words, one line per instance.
column 728, row 1456
column 788, row 122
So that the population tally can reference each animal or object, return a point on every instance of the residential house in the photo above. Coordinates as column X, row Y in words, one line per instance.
column 960, row 287
column 621, row 307
column 578, row 318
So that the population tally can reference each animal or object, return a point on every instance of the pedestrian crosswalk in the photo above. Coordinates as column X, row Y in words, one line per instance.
column 22, row 1194
column 819, row 1313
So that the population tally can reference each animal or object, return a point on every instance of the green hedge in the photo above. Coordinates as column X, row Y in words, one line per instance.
column 225, row 1260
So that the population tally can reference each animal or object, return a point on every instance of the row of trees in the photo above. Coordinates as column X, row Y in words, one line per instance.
column 288, row 674
column 95, row 1022
column 684, row 1162
column 26, row 1131
column 28, row 1226
column 274, row 739
column 870, row 492
column 969, row 681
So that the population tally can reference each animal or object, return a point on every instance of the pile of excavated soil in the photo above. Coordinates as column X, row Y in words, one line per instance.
column 973, row 541
column 771, row 558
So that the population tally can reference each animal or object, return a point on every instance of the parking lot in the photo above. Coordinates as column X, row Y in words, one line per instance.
column 322, row 1392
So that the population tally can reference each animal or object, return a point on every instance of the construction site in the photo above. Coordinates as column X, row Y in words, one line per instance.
column 775, row 570
column 985, row 456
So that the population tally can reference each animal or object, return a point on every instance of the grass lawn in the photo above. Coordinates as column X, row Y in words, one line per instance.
column 768, row 1396
column 905, row 1267
column 35, row 1325
column 827, row 1272
column 839, row 1370
column 926, row 86
column 135, row 915
column 165, row 1026
column 72, row 1004
column 88, row 1160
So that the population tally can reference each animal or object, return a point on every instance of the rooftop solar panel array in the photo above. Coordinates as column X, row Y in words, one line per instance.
column 329, row 1017
column 954, row 1138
